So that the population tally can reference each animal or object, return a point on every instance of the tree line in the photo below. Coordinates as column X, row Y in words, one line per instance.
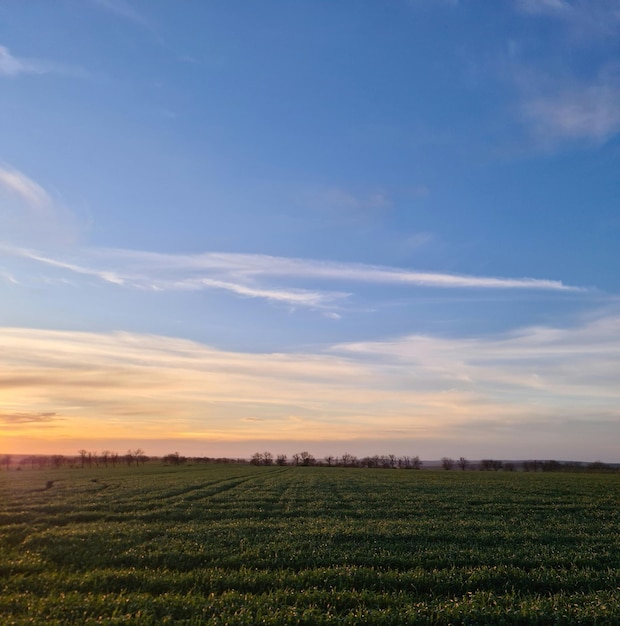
column 137, row 457
column 83, row 459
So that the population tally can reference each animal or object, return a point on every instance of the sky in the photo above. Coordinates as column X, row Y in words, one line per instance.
column 365, row 227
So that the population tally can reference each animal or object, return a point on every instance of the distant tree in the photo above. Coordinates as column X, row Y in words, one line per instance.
column 257, row 458
column 347, row 459
column 29, row 460
column 509, row 467
column 296, row 458
column 447, row 463
column 392, row 459
column 105, row 457
column 173, row 459
column 306, row 458
column 267, row 458
column 129, row 457
column 6, row 461
column 329, row 460
column 416, row 463
column 463, row 463
column 551, row 466
column 404, row 462
column 598, row 466
column 57, row 461
column 83, row 456
column 281, row 460
column 486, row 465
column 140, row 456
column 114, row 458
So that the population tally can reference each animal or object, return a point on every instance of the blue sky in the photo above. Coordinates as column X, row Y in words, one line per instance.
column 365, row 227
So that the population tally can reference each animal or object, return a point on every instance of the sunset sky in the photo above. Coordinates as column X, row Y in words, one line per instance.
column 372, row 226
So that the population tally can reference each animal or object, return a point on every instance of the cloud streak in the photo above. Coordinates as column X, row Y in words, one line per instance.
column 30, row 215
column 254, row 275
column 27, row 189
column 587, row 19
column 13, row 66
column 555, row 381
column 27, row 418
column 559, row 102
column 574, row 110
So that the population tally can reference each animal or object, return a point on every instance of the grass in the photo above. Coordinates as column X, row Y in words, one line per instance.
column 224, row 544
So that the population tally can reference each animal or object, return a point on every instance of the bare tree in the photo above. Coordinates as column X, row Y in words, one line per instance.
column 6, row 461
column 463, row 463
column 416, row 463
column 267, row 458
column 306, row 458
column 57, row 461
column 296, row 458
column 281, row 460
column 139, row 456
column 347, row 459
column 491, row 464
column 447, row 463
column 105, row 457
column 83, row 456
column 257, row 458
column 329, row 459
column 173, row 458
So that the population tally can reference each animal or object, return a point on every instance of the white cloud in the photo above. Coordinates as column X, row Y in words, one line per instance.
column 585, row 19
column 30, row 215
column 8, row 277
column 251, row 266
column 574, row 110
column 18, row 183
column 553, row 7
column 534, row 384
column 346, row 203
column 572, row 94
column 12, row 66
column 278, row 279
column 122, row 8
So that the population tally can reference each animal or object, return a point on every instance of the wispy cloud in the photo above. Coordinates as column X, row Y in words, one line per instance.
column 337, row 198
column 585, row 18
column 272, row 278
column 28, row 418
column 127, row 11
column 122, row 9
column 574, row 109
column 11, row 65
column 19, row 184
column 518, row 389
column 8, row 277
column 564, row 102
column 29, row 214
column 546, row 7
column 248, row 266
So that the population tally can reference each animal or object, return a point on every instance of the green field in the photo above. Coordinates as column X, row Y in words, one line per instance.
column 220, row 544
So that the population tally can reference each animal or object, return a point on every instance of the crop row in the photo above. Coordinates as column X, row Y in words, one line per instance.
column 242, row 544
